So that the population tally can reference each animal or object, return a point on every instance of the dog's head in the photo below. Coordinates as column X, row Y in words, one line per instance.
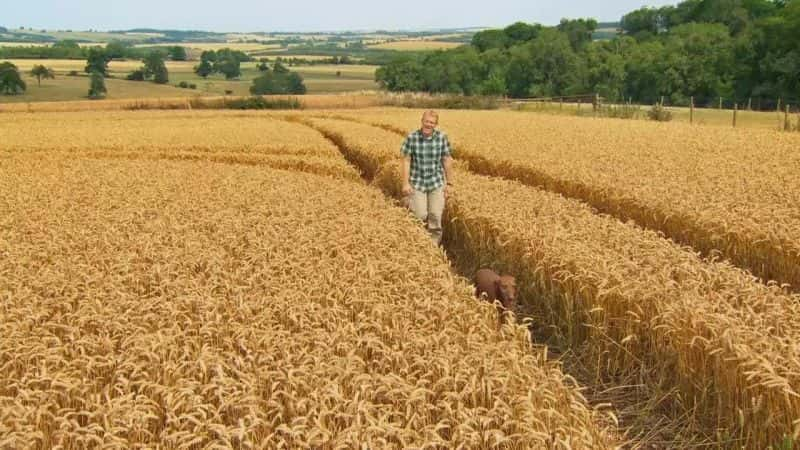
column 507, row 291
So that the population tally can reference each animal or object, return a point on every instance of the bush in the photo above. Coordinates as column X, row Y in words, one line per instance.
column 257, row 102
column 659, row 113
column 278, row 82
column 136, row 75
column 73, row 73
column 183, row 84
column 192, row 86
column 228, row 92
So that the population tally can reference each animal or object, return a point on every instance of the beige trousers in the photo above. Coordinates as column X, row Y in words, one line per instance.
column 429, row 207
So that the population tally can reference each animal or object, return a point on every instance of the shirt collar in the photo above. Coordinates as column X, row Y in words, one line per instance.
column 433, row 135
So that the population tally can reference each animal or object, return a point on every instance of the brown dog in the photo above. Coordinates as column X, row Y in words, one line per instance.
column 496, row 287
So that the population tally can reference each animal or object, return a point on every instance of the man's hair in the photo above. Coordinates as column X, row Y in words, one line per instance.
column 431, row 113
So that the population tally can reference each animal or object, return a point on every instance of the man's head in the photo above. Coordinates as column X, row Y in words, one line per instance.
column 430, row 119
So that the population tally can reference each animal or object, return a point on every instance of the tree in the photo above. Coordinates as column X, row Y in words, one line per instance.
column 154, row 67
column 10, row 81
column 97, row 61
column 604, row 69
column 230, row 67
column 97, row 86
column 579, row 31
column 279, row 68
column 546, row 66
column 295, row 83
column 67, row 44
column 117, row 49
column 204, row 69
column 521, row 32
column 403, row 73
column 699, row 62
column 177, row 53
column 278, row 83
column 490, row 39
column 39, row 71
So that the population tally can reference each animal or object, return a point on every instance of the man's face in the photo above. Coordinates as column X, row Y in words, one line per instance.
column 428, row 124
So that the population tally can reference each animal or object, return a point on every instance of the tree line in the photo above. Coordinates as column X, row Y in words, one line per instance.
column 706, row 49
column 71, row 49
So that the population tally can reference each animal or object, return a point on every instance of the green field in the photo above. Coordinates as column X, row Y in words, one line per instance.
column 320, row 79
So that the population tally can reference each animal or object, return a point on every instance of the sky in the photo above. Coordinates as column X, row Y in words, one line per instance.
column 308, row 15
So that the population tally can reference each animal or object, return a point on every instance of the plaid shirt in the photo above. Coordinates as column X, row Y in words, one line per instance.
column 427, row 171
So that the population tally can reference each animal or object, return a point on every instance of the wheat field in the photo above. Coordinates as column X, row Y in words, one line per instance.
column 196, row 278
column 633, row 302
column 731, row 193
column 151, row 302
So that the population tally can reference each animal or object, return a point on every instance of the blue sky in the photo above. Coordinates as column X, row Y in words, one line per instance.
column 310, row 15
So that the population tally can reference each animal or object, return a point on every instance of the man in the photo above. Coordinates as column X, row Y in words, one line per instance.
column 427, row 173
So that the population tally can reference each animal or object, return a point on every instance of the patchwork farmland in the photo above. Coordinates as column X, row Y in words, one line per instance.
column 189, row 279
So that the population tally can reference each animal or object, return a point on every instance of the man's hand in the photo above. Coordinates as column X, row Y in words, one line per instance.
column 407, row 189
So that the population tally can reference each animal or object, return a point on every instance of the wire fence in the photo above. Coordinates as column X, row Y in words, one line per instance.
column 780, row 113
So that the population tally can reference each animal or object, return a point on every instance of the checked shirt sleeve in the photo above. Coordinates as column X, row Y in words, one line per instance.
column 445, row 146
column 408, row 146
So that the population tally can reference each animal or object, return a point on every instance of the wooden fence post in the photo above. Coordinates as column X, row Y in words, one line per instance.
column 691, row 109
column 596, row 104
column 735, row 110
column 561, row 103
column 786, row 125
column 720, row 103
column 779, row 105
column 750, row 104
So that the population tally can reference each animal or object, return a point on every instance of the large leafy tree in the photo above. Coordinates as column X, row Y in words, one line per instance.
column 10, row 81
column 39, row 71
column 97, row 61
column 97, row 86
column 278, row 83
column 155, row 67
column 578, row 31
column 228, row 63
column 546, row 66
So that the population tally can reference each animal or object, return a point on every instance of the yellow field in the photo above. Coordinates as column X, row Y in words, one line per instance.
column 23, row 44
column 177, row 259
column 412, row 45
column 46, row 44
column 199, row 303
column 122, row 67
column 730, row 192
column 241, row 46
column 635, row 302
column 202, row 135
column 311, row 101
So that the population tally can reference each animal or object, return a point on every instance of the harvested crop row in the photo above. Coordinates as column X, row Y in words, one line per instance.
column 369, row 153
column 634, row 301
column 733, row 192
column 191, row 304
column 318, row 165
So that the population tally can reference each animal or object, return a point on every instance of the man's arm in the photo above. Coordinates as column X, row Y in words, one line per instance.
column 447, row 162
column 406, row 175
